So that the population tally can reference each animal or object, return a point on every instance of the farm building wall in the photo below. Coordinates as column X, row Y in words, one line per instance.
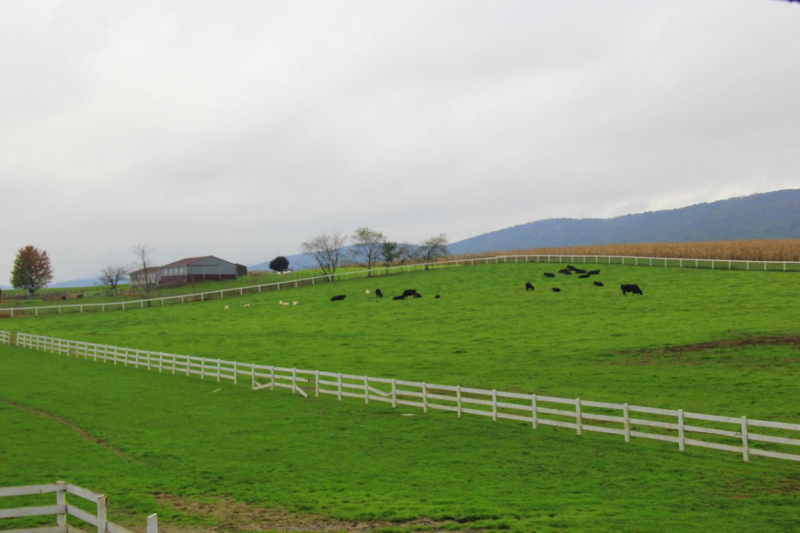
column 212, row 268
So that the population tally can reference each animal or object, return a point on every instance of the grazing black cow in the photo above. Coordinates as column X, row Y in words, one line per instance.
column 571, row 268
column 565, row 272
column 549, row 275
column 410, row 292
column 594, row 272
column 584, row 276
column 437, row 296
column 556, row 289
column 338, row 297
column 598, row 284
column 630, row 288
column 401, row 297
column 529, row 286
column 378, row 293
column 579, row 271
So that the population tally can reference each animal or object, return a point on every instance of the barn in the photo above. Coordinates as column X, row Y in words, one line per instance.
column 193, row 269
column 138, row 276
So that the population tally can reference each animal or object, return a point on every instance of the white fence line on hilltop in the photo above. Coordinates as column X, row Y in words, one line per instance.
column 62, row 509
column 725, row 433
column 724, row 264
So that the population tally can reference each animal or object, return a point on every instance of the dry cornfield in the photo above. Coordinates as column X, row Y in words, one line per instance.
column 753, row 250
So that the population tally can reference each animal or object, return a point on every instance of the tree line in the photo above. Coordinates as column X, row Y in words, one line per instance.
column 368, row 248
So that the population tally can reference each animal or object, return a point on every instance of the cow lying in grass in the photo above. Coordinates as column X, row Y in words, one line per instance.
column 338, row 297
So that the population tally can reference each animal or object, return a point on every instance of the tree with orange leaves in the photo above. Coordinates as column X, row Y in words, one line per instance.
column 32, row 270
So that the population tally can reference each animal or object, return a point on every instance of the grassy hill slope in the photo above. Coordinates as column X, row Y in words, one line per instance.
column 211, row 455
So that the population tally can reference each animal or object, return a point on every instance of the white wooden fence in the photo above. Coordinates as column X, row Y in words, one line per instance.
column 5, row 337
column 725, row 264
column 63, row 509
column 676, row 426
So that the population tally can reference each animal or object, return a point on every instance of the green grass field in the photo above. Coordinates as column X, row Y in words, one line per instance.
column 194, row 454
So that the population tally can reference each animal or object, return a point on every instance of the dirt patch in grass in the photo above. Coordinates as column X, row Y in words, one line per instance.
column 789, row 486
column 82, row 433
column 645, row 356
column 230, row 515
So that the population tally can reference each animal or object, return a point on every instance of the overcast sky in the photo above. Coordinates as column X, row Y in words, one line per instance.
column 241, row 128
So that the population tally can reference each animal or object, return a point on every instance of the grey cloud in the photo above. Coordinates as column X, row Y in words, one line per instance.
column 242, row 128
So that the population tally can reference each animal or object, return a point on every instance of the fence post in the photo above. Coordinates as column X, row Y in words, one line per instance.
column 235, row 373
column 745, row 444
column 366, row 390
column 294, row 380
column 578, row 418
column 152, row 523
column 626, row 422
column 458, row 399
column 534, row 418
column 340, row 387
column 424, row 397
column 219, row 369
column 272, row 377
column 394, row 394
column 61, row 499
column 203, row 368
column 681, row 436
column 494, row 405
column 316, row 382
column 101, row 514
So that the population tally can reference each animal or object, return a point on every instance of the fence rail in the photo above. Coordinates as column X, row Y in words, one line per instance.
column 62, row 509
column 714, row 264
column 732, row 434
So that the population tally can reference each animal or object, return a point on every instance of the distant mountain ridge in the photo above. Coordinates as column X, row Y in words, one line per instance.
column 772, row 215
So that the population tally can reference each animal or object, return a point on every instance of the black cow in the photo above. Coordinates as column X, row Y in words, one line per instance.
column 598, row 284
column 437, row 296
column 338, row 297
column 579, row 271
column 549, row 275
column 556, row 289
column 584, row 276
column 411, row 292
column 401, row 297
column 529, row 286
column 565, row 272
column 378, row 293
column 571, row 268
column 594, row 272
column 630, row 288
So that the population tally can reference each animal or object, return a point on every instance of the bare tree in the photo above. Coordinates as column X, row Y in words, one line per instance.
column 326, row 249
column 143, row 266
column 113, row 275
column 367, row 246
column 431, row 249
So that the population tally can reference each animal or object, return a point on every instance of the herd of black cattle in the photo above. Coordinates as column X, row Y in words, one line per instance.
column 408, row 293
column 568, row 271
column 583, row 274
